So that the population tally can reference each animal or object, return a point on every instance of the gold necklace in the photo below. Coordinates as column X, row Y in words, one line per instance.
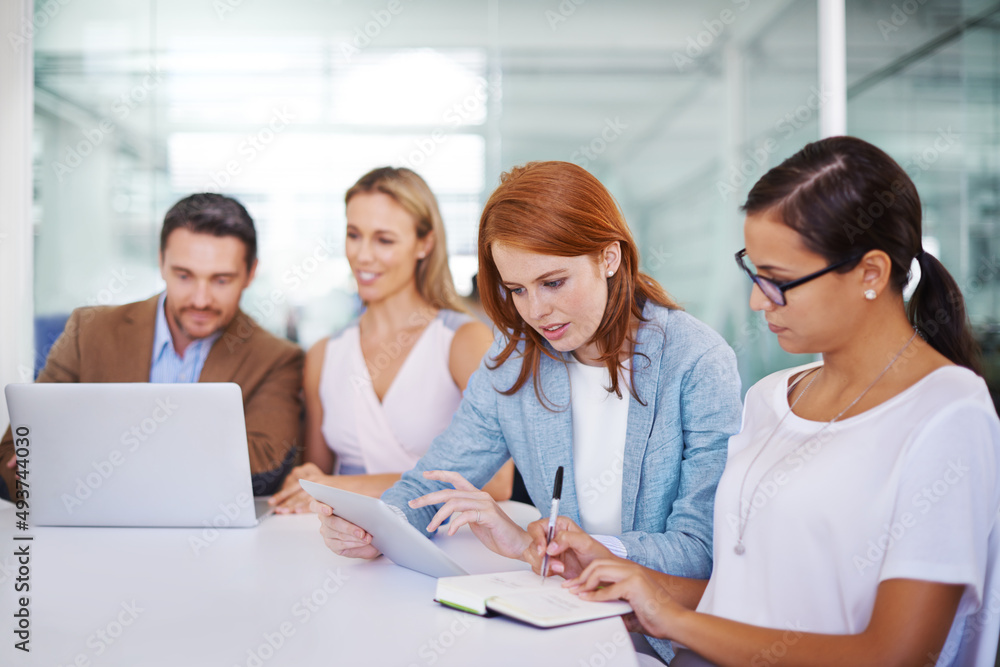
column 740, row 549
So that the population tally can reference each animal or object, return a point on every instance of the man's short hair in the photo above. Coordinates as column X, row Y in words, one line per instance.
column 215, row 214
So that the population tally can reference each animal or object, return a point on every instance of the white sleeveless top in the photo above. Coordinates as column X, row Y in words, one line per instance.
column 390, row 435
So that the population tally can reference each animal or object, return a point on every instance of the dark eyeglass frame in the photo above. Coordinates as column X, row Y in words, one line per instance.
column 774, row 290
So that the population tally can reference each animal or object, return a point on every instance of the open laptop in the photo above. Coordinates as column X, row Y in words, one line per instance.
column 134, row 454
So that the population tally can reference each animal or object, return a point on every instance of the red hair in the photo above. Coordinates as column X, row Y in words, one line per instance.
column 558, row 208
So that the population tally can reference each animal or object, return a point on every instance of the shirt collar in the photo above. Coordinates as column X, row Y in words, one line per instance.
column 161, row 334
column 163, row 339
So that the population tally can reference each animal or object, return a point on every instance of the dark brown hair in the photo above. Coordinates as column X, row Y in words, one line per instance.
column 845, row 197
column 215, row 214
column 558, row 208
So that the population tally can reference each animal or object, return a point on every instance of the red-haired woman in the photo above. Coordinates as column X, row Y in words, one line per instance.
column 596, row 370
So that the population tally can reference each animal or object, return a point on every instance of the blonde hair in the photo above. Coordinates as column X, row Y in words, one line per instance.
column 434, row 281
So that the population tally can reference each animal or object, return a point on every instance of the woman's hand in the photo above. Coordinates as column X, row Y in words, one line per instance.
column 466, row 504
column 570, row 550
column 341, row 536
column 646, row 590
column 292, row 498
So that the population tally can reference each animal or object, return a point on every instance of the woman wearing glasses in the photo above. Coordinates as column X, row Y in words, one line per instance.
column 855, row 520
column 595, row 370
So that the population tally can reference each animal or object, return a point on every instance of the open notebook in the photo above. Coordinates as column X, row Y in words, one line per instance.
column 522, row 595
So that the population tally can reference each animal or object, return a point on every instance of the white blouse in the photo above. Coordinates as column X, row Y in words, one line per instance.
column 908, row 489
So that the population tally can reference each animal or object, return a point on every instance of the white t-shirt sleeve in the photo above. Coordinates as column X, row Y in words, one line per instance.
column 947, row 502
column 613, row 544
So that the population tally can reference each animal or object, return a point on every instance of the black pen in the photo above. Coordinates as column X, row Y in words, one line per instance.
column 556, row 492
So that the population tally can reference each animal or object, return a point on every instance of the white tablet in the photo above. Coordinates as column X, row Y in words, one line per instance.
column 392, row 535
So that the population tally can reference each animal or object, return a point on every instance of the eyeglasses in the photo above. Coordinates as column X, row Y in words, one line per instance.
column 775, row 291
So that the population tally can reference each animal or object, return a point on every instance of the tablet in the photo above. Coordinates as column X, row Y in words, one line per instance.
column 392, row 535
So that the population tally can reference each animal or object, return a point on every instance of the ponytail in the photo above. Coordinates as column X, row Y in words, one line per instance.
column 937, row 311
column 845, row 197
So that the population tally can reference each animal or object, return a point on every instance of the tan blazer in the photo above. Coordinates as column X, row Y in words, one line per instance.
column 115, row 344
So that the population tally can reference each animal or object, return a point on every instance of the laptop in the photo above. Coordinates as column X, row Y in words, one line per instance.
column 134, row 454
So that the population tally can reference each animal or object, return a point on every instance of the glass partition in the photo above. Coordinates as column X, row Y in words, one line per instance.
column 924, row 84
column 677, row 107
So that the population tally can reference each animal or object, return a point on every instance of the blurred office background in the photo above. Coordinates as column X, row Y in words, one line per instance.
column 676, row 106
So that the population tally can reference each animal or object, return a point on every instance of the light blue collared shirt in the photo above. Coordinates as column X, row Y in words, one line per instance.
column 166, row 366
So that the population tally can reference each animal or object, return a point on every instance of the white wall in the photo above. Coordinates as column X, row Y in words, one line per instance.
column 16, row 82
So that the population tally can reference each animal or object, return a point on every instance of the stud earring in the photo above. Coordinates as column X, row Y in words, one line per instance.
column 610, row 273
column 870, row 294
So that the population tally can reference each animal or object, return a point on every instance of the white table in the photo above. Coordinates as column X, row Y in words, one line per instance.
column 261, row 597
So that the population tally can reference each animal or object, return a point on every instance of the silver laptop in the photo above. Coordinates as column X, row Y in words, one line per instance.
column 134, row 454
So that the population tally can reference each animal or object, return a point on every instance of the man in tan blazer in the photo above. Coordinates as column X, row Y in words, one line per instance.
column 193, row 332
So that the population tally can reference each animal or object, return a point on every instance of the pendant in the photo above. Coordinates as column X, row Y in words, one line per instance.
column 739, row 549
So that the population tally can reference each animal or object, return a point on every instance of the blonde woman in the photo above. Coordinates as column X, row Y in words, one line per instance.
column 379, row 391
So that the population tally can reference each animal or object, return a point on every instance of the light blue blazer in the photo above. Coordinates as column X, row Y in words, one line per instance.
column 675, row 446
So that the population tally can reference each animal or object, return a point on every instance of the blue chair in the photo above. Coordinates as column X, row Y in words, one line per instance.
column 47, row 330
